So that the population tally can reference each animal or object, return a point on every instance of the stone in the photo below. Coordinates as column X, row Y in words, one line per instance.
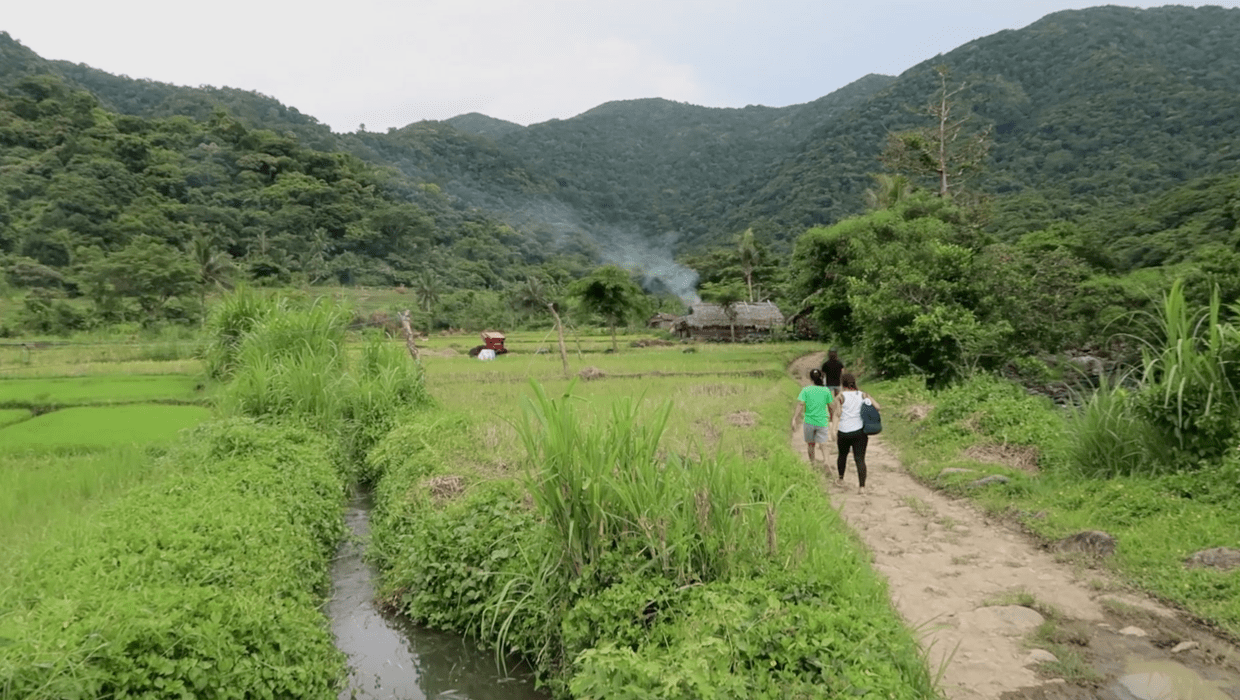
column 1092, row 542
column 1134, row 632
column 992, row 479
column 1007, row 620
column 1184, row 646
column 1221, row 558
column 1040, row 656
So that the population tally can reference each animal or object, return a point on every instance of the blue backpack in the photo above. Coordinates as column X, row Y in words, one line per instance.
column 871, row 421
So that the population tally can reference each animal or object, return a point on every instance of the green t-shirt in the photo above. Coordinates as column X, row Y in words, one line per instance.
column 816, row 398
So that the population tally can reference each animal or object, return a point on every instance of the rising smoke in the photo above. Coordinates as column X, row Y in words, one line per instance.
column 623, row 246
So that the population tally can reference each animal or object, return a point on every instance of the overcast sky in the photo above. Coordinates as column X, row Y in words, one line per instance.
column 387, row 63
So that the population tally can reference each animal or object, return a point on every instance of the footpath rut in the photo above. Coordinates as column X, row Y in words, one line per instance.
column 948, row 567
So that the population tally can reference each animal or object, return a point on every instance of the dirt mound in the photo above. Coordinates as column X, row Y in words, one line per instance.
column 1092, row 542
column 1023, row 457
column 651, row 343
column 444, row 487
column 589, row 374
column 917, row 412
column 743, row 419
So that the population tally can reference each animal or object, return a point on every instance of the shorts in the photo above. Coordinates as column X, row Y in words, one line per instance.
column 816, row 433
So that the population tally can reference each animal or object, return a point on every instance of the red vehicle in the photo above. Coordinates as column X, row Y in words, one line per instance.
column 491, row 340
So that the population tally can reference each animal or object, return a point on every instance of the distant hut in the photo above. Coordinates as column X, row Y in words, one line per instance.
column 709, row 322
column 662, row 321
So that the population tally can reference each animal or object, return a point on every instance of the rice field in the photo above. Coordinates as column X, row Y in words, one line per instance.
column 72, row 443
column 99, row 389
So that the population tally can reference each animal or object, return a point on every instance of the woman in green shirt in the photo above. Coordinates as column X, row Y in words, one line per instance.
column 812, row 403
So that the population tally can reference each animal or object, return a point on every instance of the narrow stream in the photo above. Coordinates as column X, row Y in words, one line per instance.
column 390, row 658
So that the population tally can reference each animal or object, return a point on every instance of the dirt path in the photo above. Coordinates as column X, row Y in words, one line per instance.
column 950, row 568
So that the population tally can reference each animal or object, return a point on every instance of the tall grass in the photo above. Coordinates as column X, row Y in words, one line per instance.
column 1190, row 384
column 289, row 363
column 1184, row 411
column 235, row 316
column 603, row 486
column 1109, row 438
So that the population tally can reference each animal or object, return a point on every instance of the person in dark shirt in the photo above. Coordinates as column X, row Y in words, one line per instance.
column 832, row 369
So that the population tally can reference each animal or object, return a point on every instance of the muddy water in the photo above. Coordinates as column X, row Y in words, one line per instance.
column 1165, row 680
column 389, row 658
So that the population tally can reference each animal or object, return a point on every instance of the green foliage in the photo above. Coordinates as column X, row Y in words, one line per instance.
column 161, row 281
column 202, row 583
column 1000, row 411
column 612, row 294
column 46, row 312
column 907, row 286
column 776, row 637
column 1190, row 391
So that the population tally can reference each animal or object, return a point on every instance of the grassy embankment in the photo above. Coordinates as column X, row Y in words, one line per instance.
column 204, row 575
column 649, row 536
column 1159, row 517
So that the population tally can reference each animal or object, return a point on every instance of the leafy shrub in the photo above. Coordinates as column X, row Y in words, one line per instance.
column 773, row 637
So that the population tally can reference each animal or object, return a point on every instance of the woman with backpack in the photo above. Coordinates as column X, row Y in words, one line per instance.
column 850, row 434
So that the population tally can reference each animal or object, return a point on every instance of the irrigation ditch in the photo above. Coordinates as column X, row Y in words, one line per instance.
column 388, row 656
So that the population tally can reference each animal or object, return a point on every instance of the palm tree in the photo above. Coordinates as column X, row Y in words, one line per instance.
column 536, row 294
column 888, row 191
column 426, row 286
column 214, row 267
column 749, row 255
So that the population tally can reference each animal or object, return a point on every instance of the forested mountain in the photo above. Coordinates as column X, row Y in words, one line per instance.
column 1090, row 111
column 141, row 215
column 1120, row 122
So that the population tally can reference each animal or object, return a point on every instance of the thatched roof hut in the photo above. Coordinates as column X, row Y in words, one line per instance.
column 663, row 321
column 709, row 322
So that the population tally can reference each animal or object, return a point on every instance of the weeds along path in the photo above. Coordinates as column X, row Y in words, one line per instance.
column 954, row 575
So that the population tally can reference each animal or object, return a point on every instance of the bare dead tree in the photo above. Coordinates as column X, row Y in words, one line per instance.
column 948, row 149
column 404, row 324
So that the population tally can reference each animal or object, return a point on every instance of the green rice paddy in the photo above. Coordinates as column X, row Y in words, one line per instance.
column 100, row 427
column 98, row 390
column 9, row 416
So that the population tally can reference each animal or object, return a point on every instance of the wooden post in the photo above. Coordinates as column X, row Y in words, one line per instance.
column 413, row 348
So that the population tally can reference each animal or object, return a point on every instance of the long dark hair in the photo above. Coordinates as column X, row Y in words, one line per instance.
column 815, row 376
column 849, row 381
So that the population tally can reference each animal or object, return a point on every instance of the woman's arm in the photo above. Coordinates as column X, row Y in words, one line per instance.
column 874, row 401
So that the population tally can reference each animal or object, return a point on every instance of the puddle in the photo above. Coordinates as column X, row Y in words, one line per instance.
column 391, row 659
column 1165, row 680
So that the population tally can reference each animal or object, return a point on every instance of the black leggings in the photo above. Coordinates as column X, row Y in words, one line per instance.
column 856, row 441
